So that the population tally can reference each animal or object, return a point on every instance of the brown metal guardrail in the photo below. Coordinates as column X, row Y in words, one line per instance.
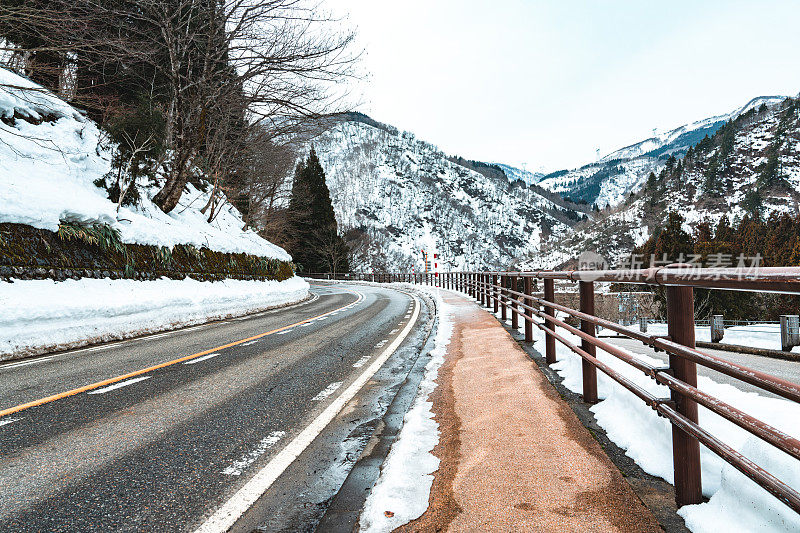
column 512, row 293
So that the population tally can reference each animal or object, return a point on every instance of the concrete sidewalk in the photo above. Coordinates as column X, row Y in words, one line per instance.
column 514, row 457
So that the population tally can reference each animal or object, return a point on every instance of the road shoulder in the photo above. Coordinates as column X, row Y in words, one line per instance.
column 513, row 454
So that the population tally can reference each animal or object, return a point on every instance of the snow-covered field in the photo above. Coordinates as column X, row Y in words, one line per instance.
column 42, row 315
column 47, row 172
column 736, row 503
column 404, row 485
column 767, row 336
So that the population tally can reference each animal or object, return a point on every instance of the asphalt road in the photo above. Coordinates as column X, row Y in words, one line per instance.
column 167, row 432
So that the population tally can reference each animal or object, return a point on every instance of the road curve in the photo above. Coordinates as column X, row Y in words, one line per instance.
column 165, row 432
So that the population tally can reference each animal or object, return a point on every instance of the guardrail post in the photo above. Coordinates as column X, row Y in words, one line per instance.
column 717, row 328
column 586, row 289
column 495, row 299
column 528, row 290
column 549, row 340
column 790, row 332
column 514, row 303
column 503, row 311
column 685, row 448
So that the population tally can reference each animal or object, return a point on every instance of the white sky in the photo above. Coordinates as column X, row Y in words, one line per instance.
column 545, row 83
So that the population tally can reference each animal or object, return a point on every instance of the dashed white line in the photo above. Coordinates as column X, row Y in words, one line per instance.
column 380, row 344
column 250, row 343
column 266, row 443
column 204, row 358
column 327, row 391
column 9, row 420
column 284, row 332
column 119, row 385
column 361, row 362
column 227, row 515
column 395, row 330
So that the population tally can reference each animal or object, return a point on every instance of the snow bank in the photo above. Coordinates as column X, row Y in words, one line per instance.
column 47, row 173
column 735, row 501
column 406, row 477
column 41, row 315
column 767, row 336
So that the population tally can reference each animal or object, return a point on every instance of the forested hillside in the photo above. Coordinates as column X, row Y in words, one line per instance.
column 749, row 169
column 395, row 195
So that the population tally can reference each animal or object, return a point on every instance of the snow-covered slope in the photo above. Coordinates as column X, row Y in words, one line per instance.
column 526, row 176
column 687, row 189
column 50, row 155
column 407, row 196
column 614, row 177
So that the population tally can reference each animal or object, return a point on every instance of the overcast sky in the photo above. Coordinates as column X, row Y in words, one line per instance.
column 546, row 83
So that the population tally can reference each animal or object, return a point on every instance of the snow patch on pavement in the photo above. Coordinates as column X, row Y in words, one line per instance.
column 42, row 315
column 406, row 477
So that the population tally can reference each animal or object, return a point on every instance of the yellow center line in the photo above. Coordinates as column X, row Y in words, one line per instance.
column 109, row 381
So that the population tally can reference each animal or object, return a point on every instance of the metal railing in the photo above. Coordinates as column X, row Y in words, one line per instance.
column 512, row 293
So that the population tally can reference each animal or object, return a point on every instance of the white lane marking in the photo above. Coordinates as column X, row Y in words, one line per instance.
column 119, row 385
column 26, row 363
column 97, row 348
column 250, row 343
column 327, row 391
column 266, row 443
column 384, row 341
column 9, row 420
column 395, row 330
column 284, row 332
column 361, row 362
column 304, row 325
column 227, row 515
column 204, row 358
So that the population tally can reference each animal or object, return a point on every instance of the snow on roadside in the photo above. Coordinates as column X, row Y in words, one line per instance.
column 735, row 501
column 42, row 315
column 404, row 485
column 767, row 336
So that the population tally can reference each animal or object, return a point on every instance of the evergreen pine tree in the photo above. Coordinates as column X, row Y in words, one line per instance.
column 316, row 245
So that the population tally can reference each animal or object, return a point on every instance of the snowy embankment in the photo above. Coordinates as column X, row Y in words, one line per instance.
column 50, row 158
column 736, row 503
column 766, row 336
column 401, row 493
column 41, row 315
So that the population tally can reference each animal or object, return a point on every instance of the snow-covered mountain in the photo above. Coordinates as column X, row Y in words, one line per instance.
column 526, row 176
column 614, row 177
column 404, row 195
column 751, row 164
